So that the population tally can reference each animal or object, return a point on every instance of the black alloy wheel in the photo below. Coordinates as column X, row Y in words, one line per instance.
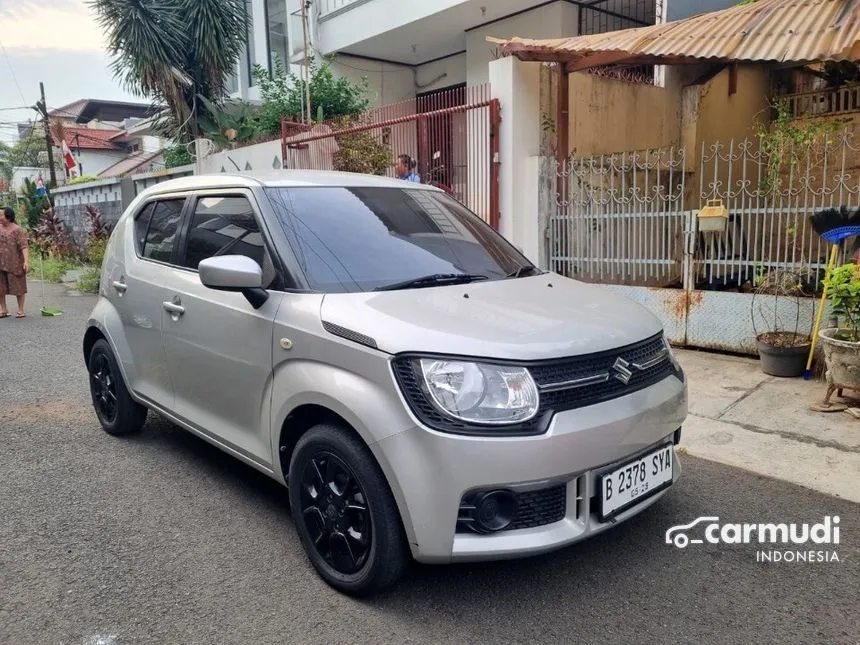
column 103, row 387
column 334, row 510
column 117, row 412
column 344, row 511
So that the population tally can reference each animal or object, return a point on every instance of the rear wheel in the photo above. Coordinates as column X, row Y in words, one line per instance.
column 345, row 514
column 118, row 413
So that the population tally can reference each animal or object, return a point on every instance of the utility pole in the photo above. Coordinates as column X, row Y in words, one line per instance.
column 42, row 108
column 78, row 146
column 305, row 29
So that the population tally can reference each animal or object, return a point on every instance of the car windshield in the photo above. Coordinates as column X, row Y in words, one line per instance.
column 352, row 239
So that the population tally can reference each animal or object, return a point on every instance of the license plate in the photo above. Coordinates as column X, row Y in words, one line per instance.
column 634, row 481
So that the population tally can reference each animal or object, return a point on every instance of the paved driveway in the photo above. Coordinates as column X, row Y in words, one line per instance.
column 162, row 539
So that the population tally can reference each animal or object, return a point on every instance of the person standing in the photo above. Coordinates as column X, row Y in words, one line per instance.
column 405, row 169
column 14, row 263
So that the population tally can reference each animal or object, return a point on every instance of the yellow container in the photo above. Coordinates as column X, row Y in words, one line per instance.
column 713, row 217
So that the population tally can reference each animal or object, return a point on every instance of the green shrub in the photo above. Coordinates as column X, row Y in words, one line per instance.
column 96, row 251
column 177, row 155
column 843, row 286
column 83, row 179
column 283, row 94
column 54, row 268
column 89, row 281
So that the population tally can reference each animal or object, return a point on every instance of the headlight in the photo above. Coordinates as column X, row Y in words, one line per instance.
column 479, row 392
column 672, row 358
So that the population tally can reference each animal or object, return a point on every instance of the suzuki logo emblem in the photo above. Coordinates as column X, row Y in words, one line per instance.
column 622, row 370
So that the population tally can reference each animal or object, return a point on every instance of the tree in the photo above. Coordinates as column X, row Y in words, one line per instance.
column 5, row 166
column 26, row 152
column 175, row 51
column 283, row 94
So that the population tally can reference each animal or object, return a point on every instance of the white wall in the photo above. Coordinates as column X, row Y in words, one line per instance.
column 517, row 86
column 25, row 172
column 392, row 83
column 260, row 158
column 389, row 83
column 151, row 144
column 557, row 20
column 94, row 161
column 441, row 73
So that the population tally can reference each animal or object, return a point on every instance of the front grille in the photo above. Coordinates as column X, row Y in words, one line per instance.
column 566, row 370
column 539, row 508
column 534, row 508
column 546, row 374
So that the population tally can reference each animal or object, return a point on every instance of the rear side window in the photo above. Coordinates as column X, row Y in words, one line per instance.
column 163, row 229
column 223, row 226
column 141, row 226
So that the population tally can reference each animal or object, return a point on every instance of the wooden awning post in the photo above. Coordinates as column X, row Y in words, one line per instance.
column 562, row 129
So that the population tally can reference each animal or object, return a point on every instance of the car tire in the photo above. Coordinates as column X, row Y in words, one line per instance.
column 117, row 412
column 332, row 475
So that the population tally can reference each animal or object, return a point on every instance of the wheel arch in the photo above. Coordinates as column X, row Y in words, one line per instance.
column 305, row 416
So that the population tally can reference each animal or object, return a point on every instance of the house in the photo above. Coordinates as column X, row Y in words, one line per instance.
column 107, row 138
column 412, row 49
column 111, row 112
column 692, row 197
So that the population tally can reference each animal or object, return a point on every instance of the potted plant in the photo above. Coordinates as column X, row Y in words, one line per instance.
column 783, row 348
column 841, row 344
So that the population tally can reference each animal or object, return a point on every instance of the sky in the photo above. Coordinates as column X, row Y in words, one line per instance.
column 59, row 43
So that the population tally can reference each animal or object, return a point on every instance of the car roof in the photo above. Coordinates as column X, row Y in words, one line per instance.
column 280, row 179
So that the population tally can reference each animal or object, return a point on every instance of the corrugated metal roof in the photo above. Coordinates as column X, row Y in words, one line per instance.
column 130, row 164
column 766, row 30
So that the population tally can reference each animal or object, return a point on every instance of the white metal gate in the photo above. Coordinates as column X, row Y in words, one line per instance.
column 629, row 221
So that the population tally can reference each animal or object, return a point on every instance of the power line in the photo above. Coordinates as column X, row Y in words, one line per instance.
column 14, row 77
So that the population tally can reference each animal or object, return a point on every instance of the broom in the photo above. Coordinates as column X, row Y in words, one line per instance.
column 833, row 226
column 45, row 310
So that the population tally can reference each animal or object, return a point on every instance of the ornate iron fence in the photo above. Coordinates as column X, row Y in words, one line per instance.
column 631, row 218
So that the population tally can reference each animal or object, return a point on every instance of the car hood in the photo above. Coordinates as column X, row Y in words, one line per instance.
column 531, row 318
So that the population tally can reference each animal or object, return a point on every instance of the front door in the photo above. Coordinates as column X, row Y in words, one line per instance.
column 218, row 347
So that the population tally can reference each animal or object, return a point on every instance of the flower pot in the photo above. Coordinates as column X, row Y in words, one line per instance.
column 783, row 353
column 842, row 358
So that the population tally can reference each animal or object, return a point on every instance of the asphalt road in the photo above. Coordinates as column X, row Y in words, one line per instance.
column 162, row 539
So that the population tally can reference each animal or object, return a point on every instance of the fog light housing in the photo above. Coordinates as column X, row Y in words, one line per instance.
column 489, row 511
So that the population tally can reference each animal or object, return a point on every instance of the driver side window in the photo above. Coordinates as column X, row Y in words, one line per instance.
column 226, row 226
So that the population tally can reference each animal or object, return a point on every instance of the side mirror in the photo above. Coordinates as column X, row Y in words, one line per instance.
column 234, row 273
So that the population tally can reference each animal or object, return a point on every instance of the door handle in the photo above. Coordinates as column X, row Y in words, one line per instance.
column 173, row 308
column 119, row 286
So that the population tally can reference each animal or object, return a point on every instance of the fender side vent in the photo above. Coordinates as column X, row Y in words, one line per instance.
column 348, row 334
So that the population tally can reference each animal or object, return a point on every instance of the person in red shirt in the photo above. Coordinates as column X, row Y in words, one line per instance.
column 14, row 263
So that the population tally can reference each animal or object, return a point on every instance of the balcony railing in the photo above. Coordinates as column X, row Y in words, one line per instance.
column 329, row 7
column 823, row 103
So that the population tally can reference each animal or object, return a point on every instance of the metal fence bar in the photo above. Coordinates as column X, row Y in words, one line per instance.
column 624, row 219
column 452, row 135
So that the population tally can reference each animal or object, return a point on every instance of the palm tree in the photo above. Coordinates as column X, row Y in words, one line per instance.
column 174, row 52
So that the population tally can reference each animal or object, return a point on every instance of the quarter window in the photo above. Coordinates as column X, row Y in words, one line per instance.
column 141, row 226
column 163, row 227
column 224, row 226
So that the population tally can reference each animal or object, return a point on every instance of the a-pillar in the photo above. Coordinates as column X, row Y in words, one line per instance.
column 517, row 86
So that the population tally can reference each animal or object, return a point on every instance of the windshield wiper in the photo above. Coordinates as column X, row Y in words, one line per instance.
column 434, row 280
column 523, row 271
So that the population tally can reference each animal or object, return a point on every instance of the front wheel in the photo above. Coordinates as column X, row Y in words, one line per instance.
column 345, row 514
column 118, row 413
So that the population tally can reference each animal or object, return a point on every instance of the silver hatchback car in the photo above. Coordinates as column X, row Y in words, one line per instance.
column 420, row 387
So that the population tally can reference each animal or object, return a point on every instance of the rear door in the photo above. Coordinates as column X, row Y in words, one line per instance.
column 218, row 347
column 136, row 289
